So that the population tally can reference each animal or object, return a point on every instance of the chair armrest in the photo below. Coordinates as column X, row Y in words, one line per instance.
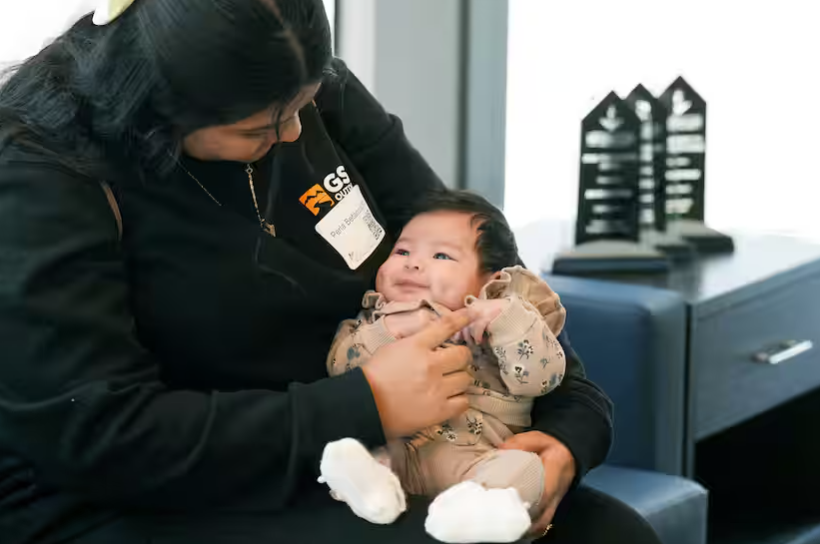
column 675, row 507
column 632, row 340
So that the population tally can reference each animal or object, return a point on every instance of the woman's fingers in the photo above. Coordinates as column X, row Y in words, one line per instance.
column 451, row 359
column 532, row 441
column 455, row 406
column 456, row 383
column 436, row 333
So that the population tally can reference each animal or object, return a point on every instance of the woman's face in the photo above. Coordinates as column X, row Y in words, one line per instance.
column 250, row 139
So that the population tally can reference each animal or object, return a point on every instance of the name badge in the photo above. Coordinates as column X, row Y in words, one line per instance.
column 351, row 229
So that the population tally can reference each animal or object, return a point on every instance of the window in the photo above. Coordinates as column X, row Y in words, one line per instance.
column 753, row 62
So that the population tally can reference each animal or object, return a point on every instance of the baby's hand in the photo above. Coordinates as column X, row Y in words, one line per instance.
column 482, row 313
column 406, row 324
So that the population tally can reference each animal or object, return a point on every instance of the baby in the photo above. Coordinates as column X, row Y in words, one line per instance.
column 457, row 251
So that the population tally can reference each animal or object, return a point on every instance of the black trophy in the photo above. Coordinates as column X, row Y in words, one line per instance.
column 607, row 229
column 651, row 177
column 685, row 169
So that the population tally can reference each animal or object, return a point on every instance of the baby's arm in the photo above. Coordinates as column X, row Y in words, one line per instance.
column 356, row 341
column 530, row 357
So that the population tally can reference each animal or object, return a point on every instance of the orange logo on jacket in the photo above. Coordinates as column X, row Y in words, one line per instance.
column 315, row 198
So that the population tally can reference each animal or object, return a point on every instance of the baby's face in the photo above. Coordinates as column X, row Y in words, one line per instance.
column 434, row 259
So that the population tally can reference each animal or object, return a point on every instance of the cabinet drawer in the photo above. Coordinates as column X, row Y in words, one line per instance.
column 734, row 377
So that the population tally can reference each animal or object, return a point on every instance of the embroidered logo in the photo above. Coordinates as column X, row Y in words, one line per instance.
column 338, row 183
column 315, row 199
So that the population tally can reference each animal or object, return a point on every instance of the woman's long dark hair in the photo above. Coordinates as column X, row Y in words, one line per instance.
column 163, row 69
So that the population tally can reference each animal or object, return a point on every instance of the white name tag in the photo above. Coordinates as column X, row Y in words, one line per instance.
column 351, row 229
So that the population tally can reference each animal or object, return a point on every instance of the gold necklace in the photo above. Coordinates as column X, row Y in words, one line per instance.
column 207, row 192
column 267, row 227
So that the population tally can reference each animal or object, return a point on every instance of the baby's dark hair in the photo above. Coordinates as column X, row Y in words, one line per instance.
column 496, row 245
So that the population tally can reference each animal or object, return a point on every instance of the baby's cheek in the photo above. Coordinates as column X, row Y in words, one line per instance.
column 466, row 285
column 452, row 297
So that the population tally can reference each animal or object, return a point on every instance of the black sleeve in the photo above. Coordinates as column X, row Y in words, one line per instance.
column 578, row 413
column 374, row 140
column 82, row 401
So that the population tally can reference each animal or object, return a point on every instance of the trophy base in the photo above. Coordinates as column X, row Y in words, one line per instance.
column 674, row 247
column 610, row 257
column 705, row 240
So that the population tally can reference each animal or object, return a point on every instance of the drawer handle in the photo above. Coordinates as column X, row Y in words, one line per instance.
column 783, row 352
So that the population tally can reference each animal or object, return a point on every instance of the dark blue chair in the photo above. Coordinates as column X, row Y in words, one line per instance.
column 632, row 340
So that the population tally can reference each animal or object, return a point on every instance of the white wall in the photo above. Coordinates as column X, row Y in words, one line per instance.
column 357, row 39
column 26, row 26
column 418, row 75
column 408, row 54
column 330, row 9
column 754, row 62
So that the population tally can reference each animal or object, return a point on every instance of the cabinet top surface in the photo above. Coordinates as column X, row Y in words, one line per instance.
column 756, row 259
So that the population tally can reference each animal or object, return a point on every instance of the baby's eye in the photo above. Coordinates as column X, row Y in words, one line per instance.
column 442, row 256
column 402, row 252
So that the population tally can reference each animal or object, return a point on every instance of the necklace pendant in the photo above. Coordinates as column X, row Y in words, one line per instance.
column 269, row 228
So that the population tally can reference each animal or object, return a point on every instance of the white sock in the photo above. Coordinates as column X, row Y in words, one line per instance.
column 355, row 477
column 470, row 513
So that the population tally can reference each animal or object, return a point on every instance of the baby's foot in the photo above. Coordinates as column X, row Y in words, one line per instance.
column 354, row 476
column 468, row 512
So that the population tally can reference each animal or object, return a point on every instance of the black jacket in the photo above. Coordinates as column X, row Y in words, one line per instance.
column 182, row 367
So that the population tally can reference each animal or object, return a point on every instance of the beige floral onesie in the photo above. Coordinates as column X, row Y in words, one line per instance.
column 521, row 360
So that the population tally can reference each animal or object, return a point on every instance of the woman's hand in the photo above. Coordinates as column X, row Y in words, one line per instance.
column 416, row 383
column 404, row 324
column 559, row 471
column 482, row 312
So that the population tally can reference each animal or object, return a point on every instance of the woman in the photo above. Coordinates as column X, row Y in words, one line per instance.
column 192, row 196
